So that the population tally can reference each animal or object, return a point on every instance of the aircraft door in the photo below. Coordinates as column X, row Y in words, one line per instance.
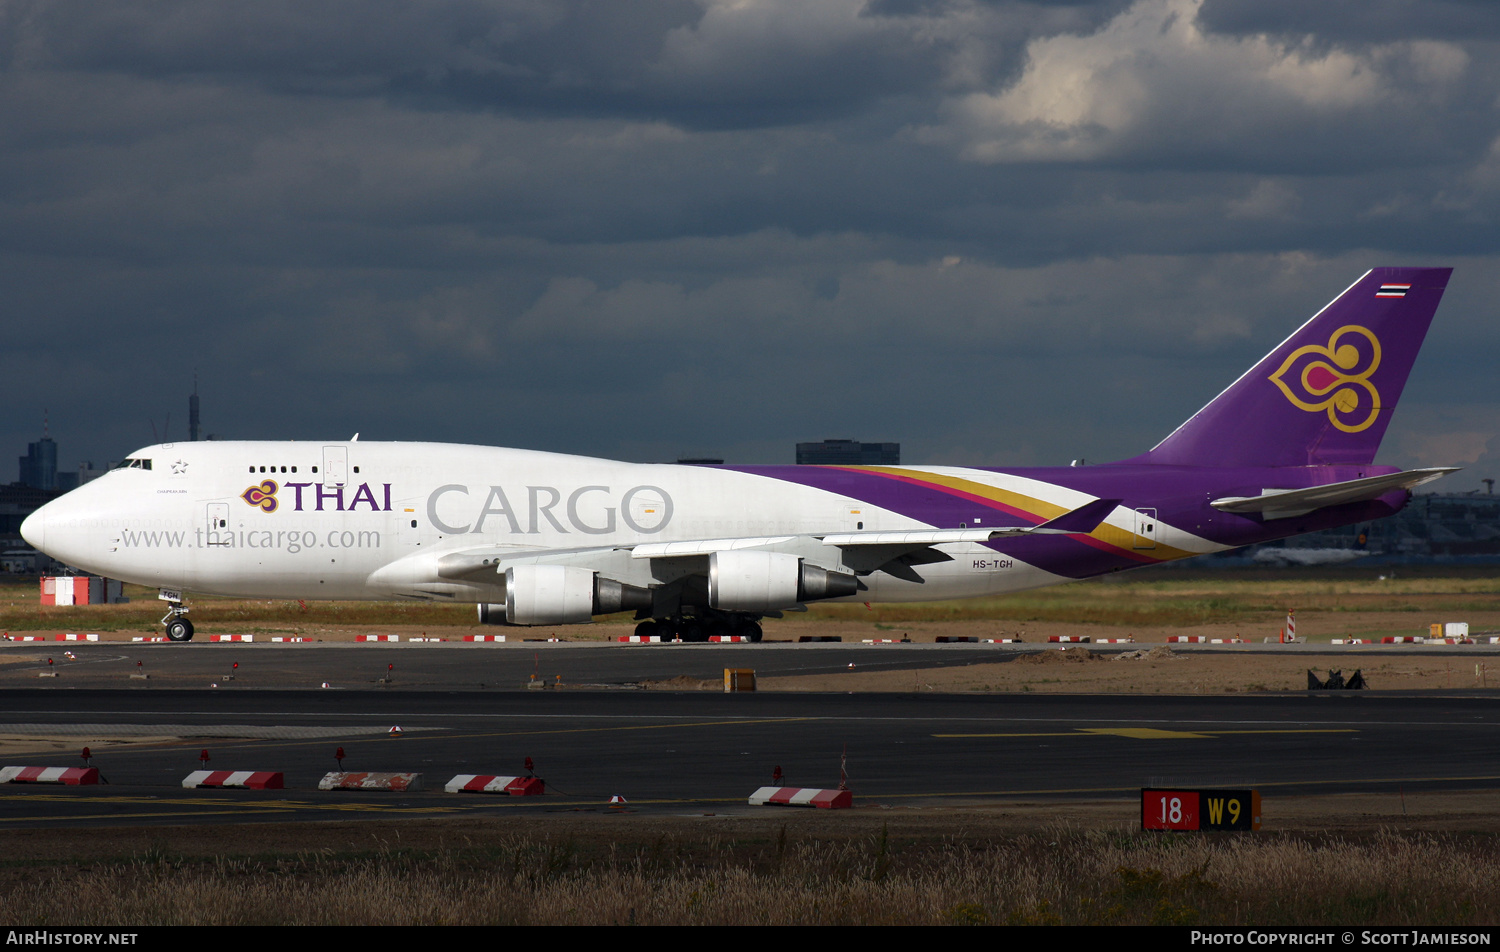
column 409, row 525
column 335, row 465
column 218, row 524
column 853, row 518
column 1145, row 528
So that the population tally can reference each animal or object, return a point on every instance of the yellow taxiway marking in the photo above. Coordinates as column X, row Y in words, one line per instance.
column 1156, row 733
column 1143, row 733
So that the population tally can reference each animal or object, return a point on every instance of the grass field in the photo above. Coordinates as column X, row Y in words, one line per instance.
column 803, row 872
column 1157, row 598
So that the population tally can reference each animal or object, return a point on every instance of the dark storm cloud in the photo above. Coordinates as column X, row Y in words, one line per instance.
column 1341, row 21
column 1001, row 232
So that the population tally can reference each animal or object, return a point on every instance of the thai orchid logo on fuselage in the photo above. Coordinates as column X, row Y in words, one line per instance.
column 263, row 496
column 1342, row 387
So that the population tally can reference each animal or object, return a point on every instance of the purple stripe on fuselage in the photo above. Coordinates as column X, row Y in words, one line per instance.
column 1178, row 494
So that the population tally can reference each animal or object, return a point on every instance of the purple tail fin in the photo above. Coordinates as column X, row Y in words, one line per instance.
column 1325, row 395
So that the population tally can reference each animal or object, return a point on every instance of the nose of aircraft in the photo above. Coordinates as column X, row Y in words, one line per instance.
column 34, row 529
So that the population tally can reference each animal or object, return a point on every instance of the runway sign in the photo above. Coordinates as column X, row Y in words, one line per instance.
column 1198, row 810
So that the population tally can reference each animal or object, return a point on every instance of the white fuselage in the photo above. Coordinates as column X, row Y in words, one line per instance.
column 376, row 520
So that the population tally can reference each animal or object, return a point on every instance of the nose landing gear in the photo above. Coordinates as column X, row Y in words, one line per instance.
column 175, row 620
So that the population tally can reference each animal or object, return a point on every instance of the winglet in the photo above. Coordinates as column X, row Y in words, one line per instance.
column 1085, row 518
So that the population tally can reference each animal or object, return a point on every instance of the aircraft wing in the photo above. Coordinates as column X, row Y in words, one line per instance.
column 1085, row 518
column 1286, row 503
column 863, row 552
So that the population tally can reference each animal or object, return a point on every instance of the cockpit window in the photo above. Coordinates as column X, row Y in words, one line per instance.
column 133, row 464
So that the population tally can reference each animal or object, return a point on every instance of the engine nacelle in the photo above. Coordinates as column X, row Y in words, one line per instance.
column 560, row 595
column 548, row 595
column 754, row 580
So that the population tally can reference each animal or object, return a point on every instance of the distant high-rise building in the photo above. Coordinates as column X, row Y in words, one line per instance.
column 848, row 453
column 39, row 465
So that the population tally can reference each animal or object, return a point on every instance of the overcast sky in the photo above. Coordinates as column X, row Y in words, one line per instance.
column 996, row 232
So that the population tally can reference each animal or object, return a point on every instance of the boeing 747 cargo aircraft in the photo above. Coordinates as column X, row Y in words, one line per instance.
column 538, row 538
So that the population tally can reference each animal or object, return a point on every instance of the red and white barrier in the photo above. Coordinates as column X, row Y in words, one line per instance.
column 72, row 776
column 484, row 637
column 1401, row 640
column 1226, row 641
column 248, row 779
column 1114, row 641
column 338, row 780
column 424, row 638
column 69, row 636
column 1068, row 639
column 377, row 637
column 1187, row 639
column 481, row 783
column 880, row 641
column 641, row 639
column 279, row 639
column 80, row 590
column 729, row 639
column 1004, row 641
column 802, row 797
column 231, row 638
column 154, row 638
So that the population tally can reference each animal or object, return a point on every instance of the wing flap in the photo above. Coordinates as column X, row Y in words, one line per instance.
column 1085, row 518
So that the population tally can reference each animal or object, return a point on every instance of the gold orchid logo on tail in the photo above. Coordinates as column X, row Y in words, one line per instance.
column 1341, row 387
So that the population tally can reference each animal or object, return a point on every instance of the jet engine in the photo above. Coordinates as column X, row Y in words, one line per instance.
column 560, row 595
column 753, row 580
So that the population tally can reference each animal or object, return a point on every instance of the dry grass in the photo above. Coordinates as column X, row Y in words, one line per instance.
column 1142, row 599
column 1053, row 877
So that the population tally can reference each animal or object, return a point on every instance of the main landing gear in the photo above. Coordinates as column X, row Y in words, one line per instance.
column 700, row 628
column 175, row 620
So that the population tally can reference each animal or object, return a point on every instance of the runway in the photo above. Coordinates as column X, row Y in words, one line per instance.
column 695, row 753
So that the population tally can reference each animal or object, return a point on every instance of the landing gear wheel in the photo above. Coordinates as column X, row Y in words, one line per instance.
column 692, row 630
column 648, row 628
column 180, row 629
column 753, row 630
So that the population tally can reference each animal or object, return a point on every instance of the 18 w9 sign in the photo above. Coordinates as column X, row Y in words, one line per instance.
column 1200, row 809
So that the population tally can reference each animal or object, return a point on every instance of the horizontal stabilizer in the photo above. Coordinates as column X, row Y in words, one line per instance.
column 1286, row 503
